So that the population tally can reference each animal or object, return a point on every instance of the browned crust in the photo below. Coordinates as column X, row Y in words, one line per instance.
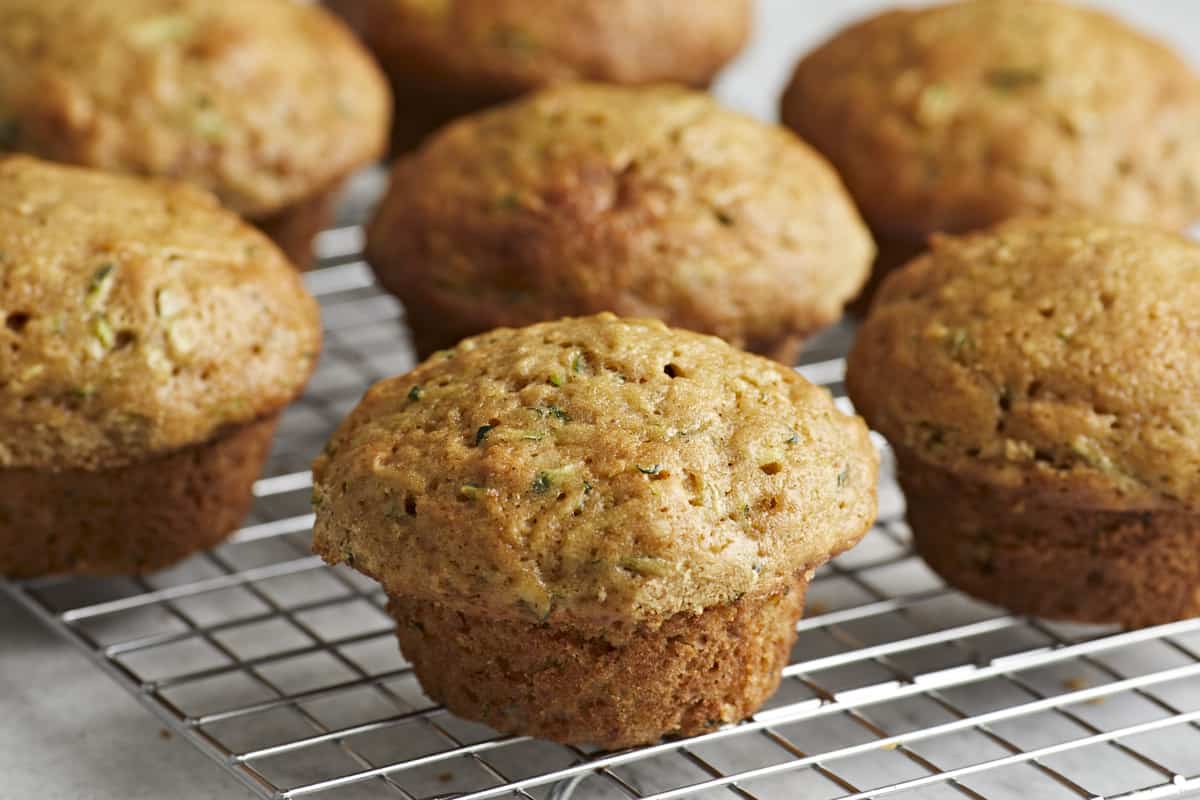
column 140, row 317
column 1057, row 355
column 613, row 687
column 134, row 519
column 1135, row 568
column 588, row 198
column 958, row 115
column 294, row 227
column 892, row 253
column 537, row 472
column 466, row 56
column 260, row 106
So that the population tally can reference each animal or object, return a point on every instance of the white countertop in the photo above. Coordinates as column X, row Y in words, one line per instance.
column 68, row 733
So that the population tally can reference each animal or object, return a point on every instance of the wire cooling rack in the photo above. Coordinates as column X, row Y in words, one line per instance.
column 285, row 671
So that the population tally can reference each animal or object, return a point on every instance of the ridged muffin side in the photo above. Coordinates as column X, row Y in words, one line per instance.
column 140, row 321
column 648, row 202
column 587, row 486
column 1048, row 369
column 133, row 519
column 599, row 684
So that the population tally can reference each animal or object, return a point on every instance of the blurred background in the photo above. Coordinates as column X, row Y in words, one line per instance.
column 68, row 733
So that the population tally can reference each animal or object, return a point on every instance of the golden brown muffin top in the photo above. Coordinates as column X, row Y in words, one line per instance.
column 651, row 202
column 593, row 468
column 505, row 47
column 137, row 317
column 957, row 116
column 263, row 102
column 1059, row 354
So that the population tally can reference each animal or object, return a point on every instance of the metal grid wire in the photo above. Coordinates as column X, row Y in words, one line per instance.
column 286, row 672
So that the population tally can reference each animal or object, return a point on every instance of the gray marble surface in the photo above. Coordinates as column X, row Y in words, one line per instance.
column 68, row 733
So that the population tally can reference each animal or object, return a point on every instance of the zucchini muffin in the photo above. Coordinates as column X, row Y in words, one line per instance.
column 451, row 57
column 269, row 104
column 1040, row 383
column 595, row 530
column 148, row 341
column 648, row 202
column 955, row 117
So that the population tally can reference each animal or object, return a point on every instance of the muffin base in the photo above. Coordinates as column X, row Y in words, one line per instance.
column 295, row 227
column 613, row 687
column 784, row 349
column 429, row 109
column 1133, row 568
column 134, row 519
column 892, row 254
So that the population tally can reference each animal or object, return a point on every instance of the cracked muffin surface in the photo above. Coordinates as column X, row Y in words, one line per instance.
column 136, row 317
column 1060, row 356
column 593, row 470
column 957, row 116
column 650, row 202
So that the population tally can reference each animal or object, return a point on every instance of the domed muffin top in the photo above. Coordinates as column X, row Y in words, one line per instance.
column 263, row 102
column 504, row 47
column 1058, row 354
column 958, row 116
column 593, row 468
column 136, row 317
column 653, row 202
